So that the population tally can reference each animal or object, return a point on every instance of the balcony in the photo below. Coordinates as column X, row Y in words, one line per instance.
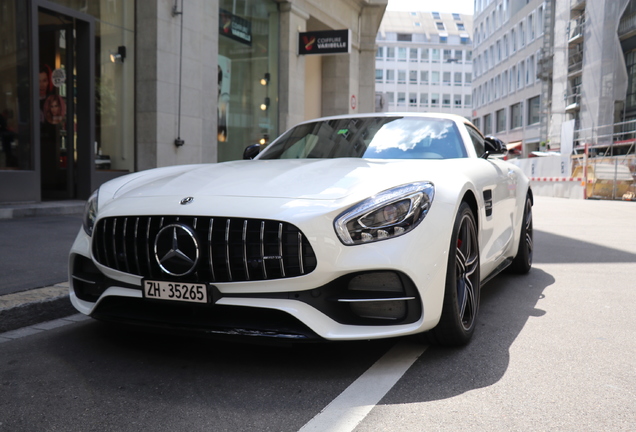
column 575, row 64
column 572, row 100
column 577, row 5
column 577, row 30
column 627, row 26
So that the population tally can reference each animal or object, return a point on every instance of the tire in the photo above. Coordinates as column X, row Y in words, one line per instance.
column 522, row 262
column 462, row 289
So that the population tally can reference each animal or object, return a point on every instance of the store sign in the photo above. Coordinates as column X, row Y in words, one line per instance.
column 324, row 42
column 235, row 27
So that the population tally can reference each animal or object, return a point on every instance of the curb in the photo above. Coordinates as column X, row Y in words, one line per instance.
column 34, row 306
column 41, row 209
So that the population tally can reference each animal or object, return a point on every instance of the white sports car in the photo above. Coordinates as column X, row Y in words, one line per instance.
column 343, row 228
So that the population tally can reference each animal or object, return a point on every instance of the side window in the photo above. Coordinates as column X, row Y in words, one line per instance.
column 478, row 141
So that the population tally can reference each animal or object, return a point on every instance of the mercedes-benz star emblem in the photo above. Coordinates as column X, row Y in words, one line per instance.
column 186, row 200
column 177, row 249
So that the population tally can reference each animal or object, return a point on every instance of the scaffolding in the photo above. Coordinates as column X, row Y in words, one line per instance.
column 605, row 157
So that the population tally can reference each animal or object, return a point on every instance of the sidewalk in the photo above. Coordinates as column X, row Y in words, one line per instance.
column 27, row 294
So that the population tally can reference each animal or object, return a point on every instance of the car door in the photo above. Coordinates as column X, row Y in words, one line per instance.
column 496, row 184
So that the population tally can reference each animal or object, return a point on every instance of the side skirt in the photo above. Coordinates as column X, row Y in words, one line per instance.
column 501, row 267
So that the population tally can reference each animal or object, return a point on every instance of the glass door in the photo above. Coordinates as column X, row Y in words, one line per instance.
column 57, row 95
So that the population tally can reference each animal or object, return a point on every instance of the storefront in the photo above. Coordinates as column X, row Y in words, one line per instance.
column 66, row 100
column 95, row 89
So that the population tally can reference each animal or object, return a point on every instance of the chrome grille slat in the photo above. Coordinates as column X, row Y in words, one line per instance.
column 227, row 249
column 211, row 259
column 114, row 237
column 148, row 246
column 231, row 249
column 136, row 243
column 125, row 237
column 280, row 248
column 300, row 253
column 244, row 239
column 262, row 245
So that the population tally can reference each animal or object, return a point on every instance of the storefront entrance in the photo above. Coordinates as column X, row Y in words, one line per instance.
column 57, row 98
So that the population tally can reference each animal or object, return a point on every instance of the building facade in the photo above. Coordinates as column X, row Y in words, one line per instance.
column 591, row 72
column 92, row 90
column 424, row 63
column 508, row 38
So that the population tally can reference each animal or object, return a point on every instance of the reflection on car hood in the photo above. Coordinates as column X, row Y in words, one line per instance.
column 318, row 179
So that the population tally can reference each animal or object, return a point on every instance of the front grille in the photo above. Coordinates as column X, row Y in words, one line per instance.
column 230, row 249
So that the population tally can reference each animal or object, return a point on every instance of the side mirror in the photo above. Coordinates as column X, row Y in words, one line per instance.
column 493, row 146
column 252, row 151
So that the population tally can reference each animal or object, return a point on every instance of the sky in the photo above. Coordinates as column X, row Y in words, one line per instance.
column 444, row 6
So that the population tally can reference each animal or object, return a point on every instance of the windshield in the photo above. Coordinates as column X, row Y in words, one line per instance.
column 370, row 137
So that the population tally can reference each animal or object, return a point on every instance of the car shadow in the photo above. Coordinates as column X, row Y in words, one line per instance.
column 555, row 249
column 507, row 303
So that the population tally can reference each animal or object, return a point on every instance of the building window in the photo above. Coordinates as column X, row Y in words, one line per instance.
column 413, row 77
column 468, row 101
column 435, row 77
column 424, row 55
column 390, row 96
column 379, row 75
column 401, row 77
column 457, row 101
column 424, row 99
column 434, row 99
column 435, row 55
column 487, row 124
column 468, row 78
column 440, row 25
column 443, row 39
column 423, row 77
column 460, row 26
column 402, row 54
column 413, row 54
column 458, row 78
column 390, row 53
column 515, row 116
column 390, row 76
column 447, row 55
column 379, row 54
column 456, row 17
column 446, row 101
column 436, row 15
column 501, row 120
column 401, row 98
column 413, row 99
column 446, row 78
column 477, row 123
column 534, row 115
column 404, row 37
column 464, row 40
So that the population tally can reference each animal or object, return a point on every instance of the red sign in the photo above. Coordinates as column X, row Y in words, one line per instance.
column 354, row 102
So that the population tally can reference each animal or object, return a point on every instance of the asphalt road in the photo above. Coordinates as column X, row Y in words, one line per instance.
column 34, row 251
column 554, row 351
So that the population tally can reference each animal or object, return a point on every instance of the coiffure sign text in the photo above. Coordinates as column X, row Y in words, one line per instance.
column 324, row 42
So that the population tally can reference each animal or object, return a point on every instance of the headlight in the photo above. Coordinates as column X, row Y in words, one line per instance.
column 388, row 214
column 90, row 213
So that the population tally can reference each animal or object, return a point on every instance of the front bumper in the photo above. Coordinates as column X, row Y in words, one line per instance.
column 327, row 303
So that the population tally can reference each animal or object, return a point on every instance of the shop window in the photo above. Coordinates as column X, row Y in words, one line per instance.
column 247, row 102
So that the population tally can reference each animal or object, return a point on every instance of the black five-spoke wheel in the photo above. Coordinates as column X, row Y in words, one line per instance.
column 461, row 295
column 522, row 263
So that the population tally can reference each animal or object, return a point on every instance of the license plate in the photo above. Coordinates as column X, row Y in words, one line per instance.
column 187, row 292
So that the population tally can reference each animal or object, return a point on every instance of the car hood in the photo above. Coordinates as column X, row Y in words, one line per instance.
column 312, row 179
